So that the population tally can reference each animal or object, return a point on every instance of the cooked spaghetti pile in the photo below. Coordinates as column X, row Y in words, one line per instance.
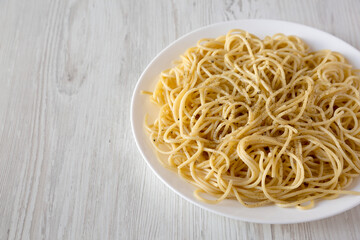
column 260, row 121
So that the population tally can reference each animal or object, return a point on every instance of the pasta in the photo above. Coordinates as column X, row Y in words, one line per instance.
column 262, row 121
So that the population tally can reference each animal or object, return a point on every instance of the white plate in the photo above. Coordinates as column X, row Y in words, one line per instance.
column 141, row 105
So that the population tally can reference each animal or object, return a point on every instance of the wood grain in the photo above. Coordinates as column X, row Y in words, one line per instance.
column 69, row 167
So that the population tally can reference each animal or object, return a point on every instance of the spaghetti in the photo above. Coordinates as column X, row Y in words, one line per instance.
column 263, row 121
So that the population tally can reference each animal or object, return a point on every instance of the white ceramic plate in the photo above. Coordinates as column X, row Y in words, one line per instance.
column 141, row 105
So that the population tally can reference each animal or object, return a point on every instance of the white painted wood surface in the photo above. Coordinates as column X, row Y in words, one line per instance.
column 69, row 167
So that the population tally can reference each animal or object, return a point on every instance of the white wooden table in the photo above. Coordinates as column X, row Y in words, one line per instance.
column 69, row 167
